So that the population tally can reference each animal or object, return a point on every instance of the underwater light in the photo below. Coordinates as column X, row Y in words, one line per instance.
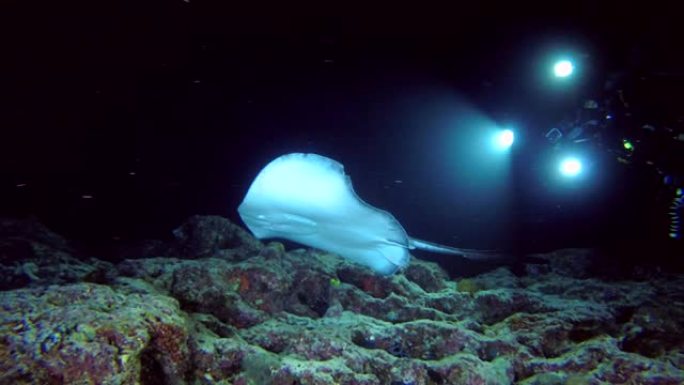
column 563, row 68
column 504, row 139
column 627, row 145
column 570, row 167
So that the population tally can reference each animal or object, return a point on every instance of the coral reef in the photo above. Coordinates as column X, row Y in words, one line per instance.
column 223, row 308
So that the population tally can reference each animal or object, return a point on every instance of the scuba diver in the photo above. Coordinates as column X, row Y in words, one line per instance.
column 637, row 132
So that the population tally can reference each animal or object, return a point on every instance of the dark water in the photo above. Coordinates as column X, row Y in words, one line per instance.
column 122, row 132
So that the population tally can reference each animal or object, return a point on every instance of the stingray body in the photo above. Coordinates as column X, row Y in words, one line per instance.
column 308, row 199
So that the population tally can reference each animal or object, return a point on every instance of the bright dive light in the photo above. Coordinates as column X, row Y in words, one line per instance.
column 504, row 139
column 563, row 68
column 570, row 167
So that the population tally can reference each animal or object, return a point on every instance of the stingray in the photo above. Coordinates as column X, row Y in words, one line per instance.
column 308, row 199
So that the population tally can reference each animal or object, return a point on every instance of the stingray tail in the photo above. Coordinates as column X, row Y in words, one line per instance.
column 466, row 253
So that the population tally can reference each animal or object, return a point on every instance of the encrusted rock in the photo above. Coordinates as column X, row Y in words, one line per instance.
column 88, row 333
column 32, row 255
column 214, row 236
column 254, row 314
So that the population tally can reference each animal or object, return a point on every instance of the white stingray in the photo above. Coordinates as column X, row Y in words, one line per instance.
column 308, row 199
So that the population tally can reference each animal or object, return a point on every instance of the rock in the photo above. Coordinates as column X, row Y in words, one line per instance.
column 574, row 263
column 31, row 229
column 32, row 255
column 88, row 333
column 241, row 312
column 214, row 236
column 500, row 278
column 429, row 276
